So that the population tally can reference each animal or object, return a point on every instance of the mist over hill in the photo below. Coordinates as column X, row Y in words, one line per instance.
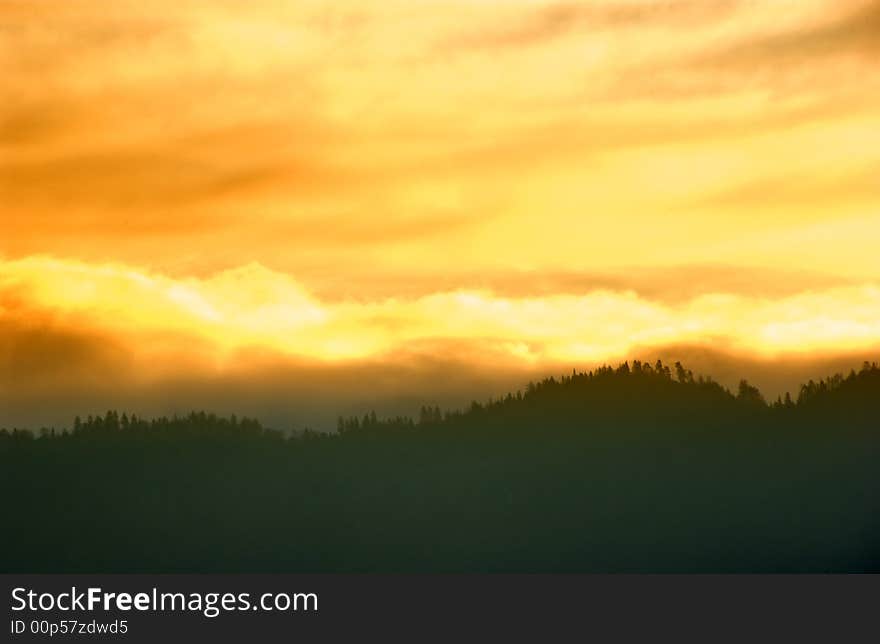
column 640, row 467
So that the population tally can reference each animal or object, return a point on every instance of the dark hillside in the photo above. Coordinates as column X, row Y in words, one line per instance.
column 636, row 468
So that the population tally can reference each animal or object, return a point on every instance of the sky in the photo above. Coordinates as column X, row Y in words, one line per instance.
column 298, row 207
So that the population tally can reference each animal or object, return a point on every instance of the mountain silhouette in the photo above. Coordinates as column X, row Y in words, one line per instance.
column 636, row 468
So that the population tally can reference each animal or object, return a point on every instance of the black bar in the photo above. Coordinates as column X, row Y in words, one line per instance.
column 489, row 608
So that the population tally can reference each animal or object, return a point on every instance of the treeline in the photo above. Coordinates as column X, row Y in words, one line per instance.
column 642, row 467
column 194, row 425
column 641, row 378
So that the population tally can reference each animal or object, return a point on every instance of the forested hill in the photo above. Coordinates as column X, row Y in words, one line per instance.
column 641, row 467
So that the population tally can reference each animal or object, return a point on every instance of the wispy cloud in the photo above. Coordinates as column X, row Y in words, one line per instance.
column 856, row 31
column 543, row 24
column 788, row 191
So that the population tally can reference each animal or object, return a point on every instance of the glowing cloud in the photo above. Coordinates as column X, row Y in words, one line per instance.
column 252, row 306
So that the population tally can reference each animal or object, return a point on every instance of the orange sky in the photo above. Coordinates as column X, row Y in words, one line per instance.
column 515, row 182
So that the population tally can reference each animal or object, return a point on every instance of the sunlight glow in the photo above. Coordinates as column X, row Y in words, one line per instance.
column 255, row 307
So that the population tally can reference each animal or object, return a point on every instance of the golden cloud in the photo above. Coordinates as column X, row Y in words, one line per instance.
column 252, row 306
